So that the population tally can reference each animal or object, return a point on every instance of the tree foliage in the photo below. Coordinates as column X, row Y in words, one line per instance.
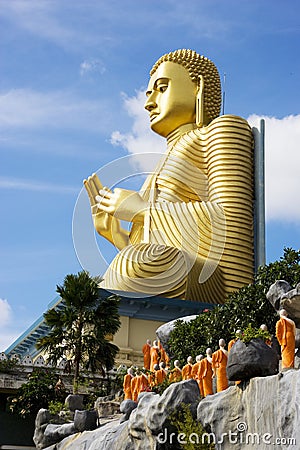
column 36, row 393
column 248, row 305
column 80, row 327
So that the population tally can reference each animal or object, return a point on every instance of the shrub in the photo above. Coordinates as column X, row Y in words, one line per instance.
column 190, row 433
column 248, row 305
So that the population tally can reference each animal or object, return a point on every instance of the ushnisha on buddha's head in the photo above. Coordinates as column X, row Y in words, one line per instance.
column 184, row 88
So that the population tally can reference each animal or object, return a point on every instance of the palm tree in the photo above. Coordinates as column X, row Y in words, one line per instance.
column 80, row 326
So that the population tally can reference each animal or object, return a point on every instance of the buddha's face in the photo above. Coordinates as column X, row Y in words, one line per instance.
column 171, row 98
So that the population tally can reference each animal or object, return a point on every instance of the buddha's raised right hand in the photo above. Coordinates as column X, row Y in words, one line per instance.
column 105, row 224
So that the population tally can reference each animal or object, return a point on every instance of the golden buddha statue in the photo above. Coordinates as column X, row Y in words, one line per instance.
column 192, row 222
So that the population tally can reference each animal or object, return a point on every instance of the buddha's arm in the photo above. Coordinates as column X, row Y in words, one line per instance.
column 105, row 224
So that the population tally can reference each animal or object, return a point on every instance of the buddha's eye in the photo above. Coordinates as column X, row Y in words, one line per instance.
column 162, row 88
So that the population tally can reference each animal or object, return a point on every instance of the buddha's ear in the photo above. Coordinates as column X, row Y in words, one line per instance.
column 200, row 102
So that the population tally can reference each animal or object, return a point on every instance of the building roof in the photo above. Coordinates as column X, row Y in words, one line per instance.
column 131, row 305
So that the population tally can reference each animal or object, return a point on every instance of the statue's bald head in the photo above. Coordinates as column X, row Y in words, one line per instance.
column 197, row 65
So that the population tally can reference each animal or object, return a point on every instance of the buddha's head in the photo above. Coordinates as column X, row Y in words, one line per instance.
column 177, row 81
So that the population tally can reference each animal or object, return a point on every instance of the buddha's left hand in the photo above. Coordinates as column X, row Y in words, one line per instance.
column 122, row 204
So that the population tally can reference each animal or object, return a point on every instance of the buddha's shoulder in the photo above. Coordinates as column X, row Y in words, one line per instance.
column 224, row 127
column 229, row 120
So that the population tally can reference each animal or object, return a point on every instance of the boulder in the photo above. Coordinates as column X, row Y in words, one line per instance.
column 126, row 407
column 291, row 302
column 85, row 420
column 56, row 433
column 106, row 408
column 49, row 434
column 146, row 422
column 164, row 331
column 255, row 359
column 282, row 296
column 74, row 401
column 263, row 415
column 276, row 291
column 43, row 418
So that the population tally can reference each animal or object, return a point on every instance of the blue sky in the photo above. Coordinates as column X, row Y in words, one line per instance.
column 73, row 75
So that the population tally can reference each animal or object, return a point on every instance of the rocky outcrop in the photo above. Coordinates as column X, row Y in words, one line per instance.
column 141, row 431
column 255, row 359
column 106, row 408
column 262, row 415
column 46, row 433
column 281, row 295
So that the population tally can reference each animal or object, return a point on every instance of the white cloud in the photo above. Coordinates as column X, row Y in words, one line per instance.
column 32, row 185
column 282, row 162
column 92, row 66
column 5, row 312
column 140, row 139
column 7, row 325
column 41, row 19
column 24, row 108
column 282, row 155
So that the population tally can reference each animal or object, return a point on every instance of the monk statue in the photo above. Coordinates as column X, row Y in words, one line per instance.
column 127, row 384
column 286, row 335
column 192, row 221
column 206, row 373
column 219, row 363
column 196, row 373
column 186, row 372
column 146, row 354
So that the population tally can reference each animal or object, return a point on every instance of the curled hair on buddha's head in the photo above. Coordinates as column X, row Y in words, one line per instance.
column 196, row 66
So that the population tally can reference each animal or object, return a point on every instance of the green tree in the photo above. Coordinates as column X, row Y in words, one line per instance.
column 248, row 305
column 80, row 328
column 36, row 393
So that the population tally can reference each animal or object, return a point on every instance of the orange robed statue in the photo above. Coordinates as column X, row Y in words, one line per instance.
column 134, row 388
column 186, row 372
column 206, row 373
column 161, row 373
column 127, row 384
column 175, row 374
column 219, row 363
column 154, row 355
column 286, row 333
column 146, row 352
column 196, row 371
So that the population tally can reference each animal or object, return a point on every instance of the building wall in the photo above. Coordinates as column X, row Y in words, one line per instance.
column 131, row 337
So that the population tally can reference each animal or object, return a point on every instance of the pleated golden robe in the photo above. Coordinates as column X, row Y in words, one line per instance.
column 196, row 242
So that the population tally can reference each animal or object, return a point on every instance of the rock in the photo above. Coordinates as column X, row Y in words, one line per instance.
column 266, row 410
column 256, row 359
column 164, row 331
column 49, row 434
column 56, row 433
column 291, row 302
column 138, row 428
column 112, row 436
column 281, row 295
column 42, row 419
column 170, row 400
column 126, row 407
column 145, row 423
column 276, row 291
column 74, row 401
column 106, row 408
column 85, row 420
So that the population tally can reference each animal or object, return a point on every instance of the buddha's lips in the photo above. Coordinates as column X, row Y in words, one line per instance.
column 152, row 116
